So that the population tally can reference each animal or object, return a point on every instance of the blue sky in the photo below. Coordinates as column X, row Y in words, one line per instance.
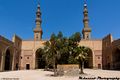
column 18, row 17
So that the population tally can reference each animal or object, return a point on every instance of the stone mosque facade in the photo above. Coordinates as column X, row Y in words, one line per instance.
column 20, row 54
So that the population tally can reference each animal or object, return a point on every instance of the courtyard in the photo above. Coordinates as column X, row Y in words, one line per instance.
column 46, row 75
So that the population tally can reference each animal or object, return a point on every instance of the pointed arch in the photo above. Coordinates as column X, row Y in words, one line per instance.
column 39, row 60
column 89, row 62
column 116, row 59
column 8, row 58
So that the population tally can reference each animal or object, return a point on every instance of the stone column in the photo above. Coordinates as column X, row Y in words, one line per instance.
column 34, row 55
column 13, row 57
column 2, row 62
column 34, row 59
column 93, row 60
column 19, row 64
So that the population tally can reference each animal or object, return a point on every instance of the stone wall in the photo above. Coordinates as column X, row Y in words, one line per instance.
column 116, row 54
column 107, row 52
column 5, row 45
column 96, row 48
column 28, row 54
column 68, row 69
column 17, row 49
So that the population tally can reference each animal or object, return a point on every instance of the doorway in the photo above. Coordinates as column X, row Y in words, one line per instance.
column 27, row 66
column 99, row 66
column 16, row 66
column 7, row 61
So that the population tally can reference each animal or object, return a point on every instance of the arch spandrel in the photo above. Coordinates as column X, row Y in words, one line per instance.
column 92, row 44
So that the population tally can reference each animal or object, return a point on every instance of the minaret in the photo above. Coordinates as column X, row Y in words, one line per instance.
column 38, row 30
column 86, row 30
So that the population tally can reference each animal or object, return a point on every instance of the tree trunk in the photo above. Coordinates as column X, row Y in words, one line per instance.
column 55, row 71
column 82, row 66
column 46, row 66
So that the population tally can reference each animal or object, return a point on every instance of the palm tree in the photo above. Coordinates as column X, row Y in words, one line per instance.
column 82, row 56
column 58, row 48
column 52, row 52
column 47, row 55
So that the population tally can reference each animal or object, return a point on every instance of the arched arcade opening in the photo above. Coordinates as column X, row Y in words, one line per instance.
column 89, row 62
column 116, row 58
column 39, row 59
column 8, row 60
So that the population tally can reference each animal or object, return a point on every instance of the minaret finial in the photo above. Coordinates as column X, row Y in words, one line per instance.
column 85, row 3
column 38, row 2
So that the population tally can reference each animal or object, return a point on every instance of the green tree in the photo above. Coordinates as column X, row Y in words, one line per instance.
column 73, row 44
column 81, row 56
column 76, row 37
column 53, row 50
column 61, row 50
column 47, row 55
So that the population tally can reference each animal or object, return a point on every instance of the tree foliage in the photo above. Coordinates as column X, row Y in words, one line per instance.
column 63, row 50
column 81, row 56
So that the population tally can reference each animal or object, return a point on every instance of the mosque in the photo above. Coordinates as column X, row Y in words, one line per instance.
column 24, row 54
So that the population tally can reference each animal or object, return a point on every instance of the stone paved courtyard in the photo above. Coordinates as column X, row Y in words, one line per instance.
column 45, row 75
